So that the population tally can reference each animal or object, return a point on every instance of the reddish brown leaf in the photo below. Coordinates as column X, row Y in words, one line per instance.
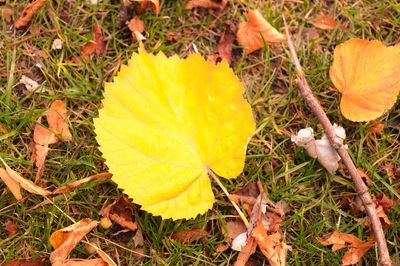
column 367, row 180
column 121, row 212
column 327, row 23
column 386, row 203
column 376, row 128
column 217, row 4
column 6, row 13
column 154, row 4
column 234, row 228
column 97, row 45
column 80, row 182
column 11, row 228
column 56, row 117
column 187, row 236
column 357, row 248
column 246, row 252
column 27, row 14
column 224, row 47
column 26, row 262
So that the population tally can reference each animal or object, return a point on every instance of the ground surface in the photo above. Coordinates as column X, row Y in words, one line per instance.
column 286, row 171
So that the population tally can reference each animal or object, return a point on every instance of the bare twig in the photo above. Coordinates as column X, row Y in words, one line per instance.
column 361, row 188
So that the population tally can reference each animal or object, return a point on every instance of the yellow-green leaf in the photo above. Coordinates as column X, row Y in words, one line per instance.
column 165, row 123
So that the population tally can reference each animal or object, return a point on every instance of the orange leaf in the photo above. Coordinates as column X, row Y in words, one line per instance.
column 56, row 118
column 80, row 182
column 134, row 25
column 27, row 14
column 376, row 128
column 357, row 248
column 224, row 47
column 155, row 5
column 26, row 262
column 252, row 34
column 64, row 240
column 187, row 236
column 206, row 4
column 12, row 185
column 97, row 45
column 367, row 73
column 11, row 228
column 246, row 252
column 325, row 23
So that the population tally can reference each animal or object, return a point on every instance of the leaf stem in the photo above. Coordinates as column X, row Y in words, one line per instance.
column 216, row 179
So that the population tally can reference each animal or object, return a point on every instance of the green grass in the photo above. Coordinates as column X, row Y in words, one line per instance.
column 286, row 171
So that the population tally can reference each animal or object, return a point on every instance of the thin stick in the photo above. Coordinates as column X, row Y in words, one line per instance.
column 241, row 214
column 361, row 188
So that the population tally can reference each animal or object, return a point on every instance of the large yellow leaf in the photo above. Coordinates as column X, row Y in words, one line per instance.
column 165, row 123
column 367, row 73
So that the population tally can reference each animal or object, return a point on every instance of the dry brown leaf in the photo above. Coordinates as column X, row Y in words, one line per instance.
column 134, row 25
column 246, row 252
column 187, row 236
column 25, row 183
column 376, row 128
column 97, row 45
column 224, row 47
column 11, row 228
column 271, row 246
column 154, row 4
column 217, row 4
column 367, row 180
column 80, row 182
column 26, row 262
column 11, row 184
column 386, row 203
column 235, row 228
column 64, row 240
column 121, row 212
column 6, row 13
column 357, row 248
column 27, row 14
column 56, row 117
column 327, row 23
column 252, row 34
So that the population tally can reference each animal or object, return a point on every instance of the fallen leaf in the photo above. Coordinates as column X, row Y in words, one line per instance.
column 357, row 248
column 246, row 252
column 27, row 14
column 367, row 180
column 80, row 182
column 6, row 13
column 97, row 45
column 240, row 241
column 11, row 184
column 136, row 25
column 11, row 228
column 376, row 128
column 217, row 4
column 56, row 117
column 26, row 262
column 188, row 137
column 25, row 183
column 253, row 33
column 64, row 241
column 154, row 4
column 235, row 228
column 187, row 236
column 121, row 212
column 224, row 47
column 271, row 245
column 138, row 238
column 367, row 73
column 385, row 202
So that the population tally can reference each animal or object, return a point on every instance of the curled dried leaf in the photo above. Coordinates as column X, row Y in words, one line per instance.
column 207, row 4
column 27, row 14
column 256, row 31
